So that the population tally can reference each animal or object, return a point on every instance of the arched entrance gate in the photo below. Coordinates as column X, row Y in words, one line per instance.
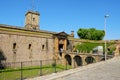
column 60, row 40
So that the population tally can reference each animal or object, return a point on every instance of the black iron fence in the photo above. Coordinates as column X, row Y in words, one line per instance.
column 29, row 69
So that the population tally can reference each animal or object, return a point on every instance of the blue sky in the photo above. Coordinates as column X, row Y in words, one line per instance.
column 65, row 15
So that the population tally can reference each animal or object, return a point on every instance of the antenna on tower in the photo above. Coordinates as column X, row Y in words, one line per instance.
column 33, row 5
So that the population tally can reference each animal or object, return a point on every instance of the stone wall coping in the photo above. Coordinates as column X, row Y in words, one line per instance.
column 23, row 29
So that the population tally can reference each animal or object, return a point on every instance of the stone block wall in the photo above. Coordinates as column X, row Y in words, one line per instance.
column 17, row 48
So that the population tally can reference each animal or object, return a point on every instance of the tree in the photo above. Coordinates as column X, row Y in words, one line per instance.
column 91, row 34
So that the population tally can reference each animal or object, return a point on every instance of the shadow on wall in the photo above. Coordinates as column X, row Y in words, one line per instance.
column 2, row 58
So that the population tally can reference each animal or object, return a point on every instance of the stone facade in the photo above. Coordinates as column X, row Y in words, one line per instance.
column 25, row 45
column 32, row 20
column 19, row 46
column 30, row 43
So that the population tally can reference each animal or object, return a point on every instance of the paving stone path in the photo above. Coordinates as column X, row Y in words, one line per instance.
column 106, row 70
column 109, row 70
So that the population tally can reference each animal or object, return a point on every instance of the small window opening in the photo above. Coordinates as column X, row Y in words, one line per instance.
column 33, row 19
column 34, row 28
column 14, row 45
column 43, row 47
column 29, row 47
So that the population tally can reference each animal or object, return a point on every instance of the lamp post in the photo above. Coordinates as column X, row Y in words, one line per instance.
column 106, row 16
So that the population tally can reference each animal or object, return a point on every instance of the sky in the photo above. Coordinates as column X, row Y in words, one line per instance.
column 65, row 15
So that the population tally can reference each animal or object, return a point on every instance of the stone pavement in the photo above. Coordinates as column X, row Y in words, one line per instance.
column 106, row 70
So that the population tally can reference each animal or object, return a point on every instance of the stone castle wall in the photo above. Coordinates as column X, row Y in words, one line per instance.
column 19, row 46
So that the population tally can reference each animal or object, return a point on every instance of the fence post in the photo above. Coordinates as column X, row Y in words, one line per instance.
column 1, row 70
column 40, row 67
column 21, row 70
column 74, row 64
column 55, row 66
column 66, row 64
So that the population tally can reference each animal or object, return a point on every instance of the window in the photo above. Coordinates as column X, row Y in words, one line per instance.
column 34, row 28
column 29, row 47
column 33, row 19
column 14, row 45
column 43, row 47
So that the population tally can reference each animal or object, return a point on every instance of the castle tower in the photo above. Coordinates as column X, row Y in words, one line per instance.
column 72, row 33
column 32, row 20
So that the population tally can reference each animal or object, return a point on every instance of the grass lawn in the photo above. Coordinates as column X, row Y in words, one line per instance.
column 28, row 72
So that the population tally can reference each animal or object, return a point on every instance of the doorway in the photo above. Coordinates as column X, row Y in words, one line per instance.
column 60, row 49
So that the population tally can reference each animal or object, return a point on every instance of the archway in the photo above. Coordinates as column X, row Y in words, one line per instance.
column 78, row 61
column 60, row 49
column 89, row 60
column 68, row 59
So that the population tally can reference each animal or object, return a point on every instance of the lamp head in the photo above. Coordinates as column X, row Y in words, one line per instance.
column 106, row 16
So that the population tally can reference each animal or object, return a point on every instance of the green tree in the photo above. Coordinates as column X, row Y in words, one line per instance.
column 91, row 34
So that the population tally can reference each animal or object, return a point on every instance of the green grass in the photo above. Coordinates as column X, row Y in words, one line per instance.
column 88, row 46
column 29, row 72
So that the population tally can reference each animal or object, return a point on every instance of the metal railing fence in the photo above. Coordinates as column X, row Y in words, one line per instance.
column 29, row 69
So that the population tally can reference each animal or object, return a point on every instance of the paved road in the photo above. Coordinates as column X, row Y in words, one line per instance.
column 106, row 70
column 109, row 70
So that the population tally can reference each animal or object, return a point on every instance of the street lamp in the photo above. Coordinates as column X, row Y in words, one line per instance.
column 106, row 16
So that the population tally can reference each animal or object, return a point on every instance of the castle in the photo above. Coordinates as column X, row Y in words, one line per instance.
column 31, row 43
